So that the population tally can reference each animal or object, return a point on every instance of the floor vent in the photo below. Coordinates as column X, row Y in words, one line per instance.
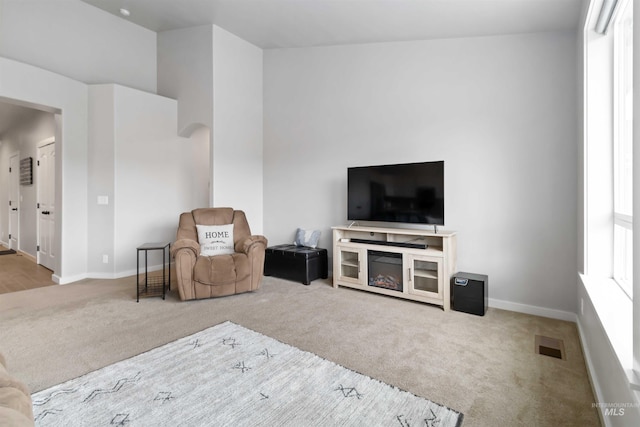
column 551, row 347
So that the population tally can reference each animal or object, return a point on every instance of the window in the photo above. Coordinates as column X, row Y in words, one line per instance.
column 622, row 147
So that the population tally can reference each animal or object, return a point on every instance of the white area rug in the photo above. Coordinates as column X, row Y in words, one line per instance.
column 228, row 375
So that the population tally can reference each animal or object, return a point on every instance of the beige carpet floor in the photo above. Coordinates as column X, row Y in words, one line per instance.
column 485, row 367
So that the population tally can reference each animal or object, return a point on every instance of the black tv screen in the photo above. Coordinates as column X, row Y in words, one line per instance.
column 408, row 193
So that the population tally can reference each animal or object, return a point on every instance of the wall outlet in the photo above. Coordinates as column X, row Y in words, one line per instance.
column 105, row 259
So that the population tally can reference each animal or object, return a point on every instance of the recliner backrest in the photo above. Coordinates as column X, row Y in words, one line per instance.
column 213, row 216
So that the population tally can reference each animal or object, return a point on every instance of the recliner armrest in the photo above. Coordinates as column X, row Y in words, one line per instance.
column 185, row 244
column 251, row 242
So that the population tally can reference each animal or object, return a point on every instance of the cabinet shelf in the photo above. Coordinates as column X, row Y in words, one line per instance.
column 350, row 264
column 427, row 274
column 426, row 271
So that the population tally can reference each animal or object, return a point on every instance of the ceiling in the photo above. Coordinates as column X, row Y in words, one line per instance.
column 303, row 23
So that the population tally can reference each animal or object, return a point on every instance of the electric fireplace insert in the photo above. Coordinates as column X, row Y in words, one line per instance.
column 385, row 270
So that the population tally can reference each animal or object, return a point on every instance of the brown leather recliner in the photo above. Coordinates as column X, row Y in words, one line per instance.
column 215, row 276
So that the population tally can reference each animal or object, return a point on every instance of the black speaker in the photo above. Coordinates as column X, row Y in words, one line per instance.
column 469, row 293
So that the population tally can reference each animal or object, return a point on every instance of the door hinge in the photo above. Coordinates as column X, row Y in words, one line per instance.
column 9, row 202
column 38, row 248
column 9, row 236
column 9, row 169
column 38, row 162
column 38, row 205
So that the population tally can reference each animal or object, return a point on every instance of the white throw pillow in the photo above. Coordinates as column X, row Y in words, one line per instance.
column 215, row 239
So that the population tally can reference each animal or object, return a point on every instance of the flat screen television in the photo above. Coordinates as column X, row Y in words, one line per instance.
column 407, row 193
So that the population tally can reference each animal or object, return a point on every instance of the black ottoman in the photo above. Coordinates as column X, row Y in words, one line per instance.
column 298, row 263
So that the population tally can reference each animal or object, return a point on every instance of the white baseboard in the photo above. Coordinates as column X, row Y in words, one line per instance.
column 65, row 280
column 125, row 273
column 117, row 275
column 133, row 272
column 70, row 279
column 533, row 309
column 102, row 276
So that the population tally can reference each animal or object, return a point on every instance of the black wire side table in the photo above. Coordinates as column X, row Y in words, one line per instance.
column 153, row 286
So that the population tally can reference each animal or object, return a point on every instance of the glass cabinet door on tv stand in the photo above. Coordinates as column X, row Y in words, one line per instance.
column 423, row 275
column 351, row 263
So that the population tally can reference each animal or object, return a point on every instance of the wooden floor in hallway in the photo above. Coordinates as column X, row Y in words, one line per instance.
column 19, row 273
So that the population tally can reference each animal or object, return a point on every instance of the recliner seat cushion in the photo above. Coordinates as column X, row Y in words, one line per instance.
column 221, row 269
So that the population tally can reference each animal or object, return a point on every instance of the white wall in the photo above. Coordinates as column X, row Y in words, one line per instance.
column 185, row 73
column 101, row 183
column 146, row 171
column 237, row 131
column 501, row 113
column 48, row 50
column 23, row 138
column 217, row 79
column 79, row 41
column 153, row 168
column 88, row 46
column 43, row 88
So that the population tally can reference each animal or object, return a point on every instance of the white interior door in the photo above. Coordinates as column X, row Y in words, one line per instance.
column 46, row 205
column 14, row 201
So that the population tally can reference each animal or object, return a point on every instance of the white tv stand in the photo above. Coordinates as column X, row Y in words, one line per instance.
column 425, row 273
